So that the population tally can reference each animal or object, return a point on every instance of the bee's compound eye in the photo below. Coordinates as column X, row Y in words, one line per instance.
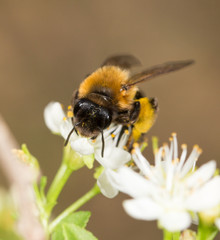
column 105, row 118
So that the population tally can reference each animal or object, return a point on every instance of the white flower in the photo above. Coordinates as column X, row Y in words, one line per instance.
column 114, row 155
column 171, row 189
column 57, row 121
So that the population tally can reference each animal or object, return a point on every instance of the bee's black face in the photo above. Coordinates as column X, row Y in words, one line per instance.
column 90, row 118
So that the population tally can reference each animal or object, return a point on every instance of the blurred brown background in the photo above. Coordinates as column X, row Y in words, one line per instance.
column 48, row 47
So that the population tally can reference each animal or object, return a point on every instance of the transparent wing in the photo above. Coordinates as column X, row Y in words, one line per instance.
column 122, row 61
column 157, row 70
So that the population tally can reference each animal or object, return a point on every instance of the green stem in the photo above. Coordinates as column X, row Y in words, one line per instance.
column 72, row 208
column 57, row 185
column 176, row 235
column 206, row 232
column 167, row 235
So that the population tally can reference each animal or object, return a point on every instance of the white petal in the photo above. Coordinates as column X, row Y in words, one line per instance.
column 205, row 197
column 82, row 146
column 105, row 186
column 65, row 128
column 113, row 157
column 202, row 175
column 142, row 163
column 131, row 183
column 142, row 208
column 217, row 223
column 190, row 162
column 53, row 116
column 175, row 221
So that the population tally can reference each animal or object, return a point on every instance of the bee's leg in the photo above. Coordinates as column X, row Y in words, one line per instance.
column 135, row 112
column 154, row 103
column 128, row 116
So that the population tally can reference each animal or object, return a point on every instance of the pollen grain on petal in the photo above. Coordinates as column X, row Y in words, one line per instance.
column 133, row 151
column 173, row 134
column 199, row 150
column 135, row 145
column 69, row 114
column 112, row 135
column 69, row 107
column 125, row 148
column 196, row 146
column 175, row 161
column 183, row 146
column 126, row 132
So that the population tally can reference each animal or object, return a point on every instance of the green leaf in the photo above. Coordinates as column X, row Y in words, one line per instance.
column 74, row 232
column 80, row 219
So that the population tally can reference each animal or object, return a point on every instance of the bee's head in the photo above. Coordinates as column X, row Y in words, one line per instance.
column 91, row 118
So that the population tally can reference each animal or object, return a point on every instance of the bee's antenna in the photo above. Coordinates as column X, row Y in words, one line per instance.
column 103, row 143
column 68, row 137
column 73, row 129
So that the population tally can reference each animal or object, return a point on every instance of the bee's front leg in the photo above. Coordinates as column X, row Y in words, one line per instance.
column 128, row 116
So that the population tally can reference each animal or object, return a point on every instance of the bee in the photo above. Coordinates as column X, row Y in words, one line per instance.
column 110, row 95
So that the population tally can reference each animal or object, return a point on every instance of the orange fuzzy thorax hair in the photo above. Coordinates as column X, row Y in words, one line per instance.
column 109, row 80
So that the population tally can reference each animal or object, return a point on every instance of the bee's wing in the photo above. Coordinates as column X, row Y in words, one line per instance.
column 122, row 61
column 156, row 71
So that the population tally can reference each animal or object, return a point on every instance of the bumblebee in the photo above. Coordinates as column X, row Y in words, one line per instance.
column 110, row 95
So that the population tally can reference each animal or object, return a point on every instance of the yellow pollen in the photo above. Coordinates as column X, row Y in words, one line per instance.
column 69, row 107
column 184, row 146
column 133, row 151
column 126, row 132
column 135, row 145
column 64, row 119
column 69, row 114
column 196, row 147
column 175, row 161
column 94, row 140
column 112, row 135
column 170, row 139
column 173, row 134
column 125, row 148
column 199, row 150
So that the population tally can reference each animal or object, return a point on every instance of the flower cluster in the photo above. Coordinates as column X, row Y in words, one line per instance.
column 172, row 190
